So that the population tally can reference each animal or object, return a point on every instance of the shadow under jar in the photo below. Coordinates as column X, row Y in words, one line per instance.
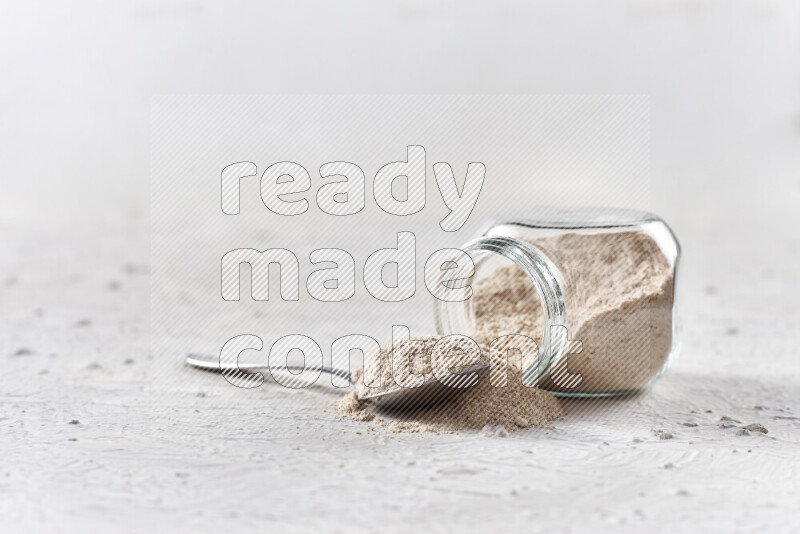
column 590, row 289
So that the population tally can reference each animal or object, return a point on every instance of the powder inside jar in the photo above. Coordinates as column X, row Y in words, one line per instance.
column 618, row 290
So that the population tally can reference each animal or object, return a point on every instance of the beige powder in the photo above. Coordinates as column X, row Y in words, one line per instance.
column 512, row 406
column 411, row 361
column 618, row 292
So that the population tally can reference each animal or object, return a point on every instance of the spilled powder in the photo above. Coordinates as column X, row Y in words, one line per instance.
column 618, row 289
column 512, row 405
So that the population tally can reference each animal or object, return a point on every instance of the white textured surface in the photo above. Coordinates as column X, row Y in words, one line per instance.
column 161, row 447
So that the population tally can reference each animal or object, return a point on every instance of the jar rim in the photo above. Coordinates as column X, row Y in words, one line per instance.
column 459, row 317
column 585, row 217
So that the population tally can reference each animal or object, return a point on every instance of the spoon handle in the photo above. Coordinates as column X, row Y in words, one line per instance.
column 212, row 363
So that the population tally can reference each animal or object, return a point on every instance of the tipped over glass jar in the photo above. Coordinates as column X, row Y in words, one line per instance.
column 582, row 301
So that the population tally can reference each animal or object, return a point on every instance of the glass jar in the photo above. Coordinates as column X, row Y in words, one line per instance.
column 592, row 288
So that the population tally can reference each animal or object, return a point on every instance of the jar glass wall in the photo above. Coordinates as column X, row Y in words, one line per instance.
column 607, row 275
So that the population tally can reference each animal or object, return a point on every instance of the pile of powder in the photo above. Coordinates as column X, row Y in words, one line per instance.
column 511, row 404
column 619, row 294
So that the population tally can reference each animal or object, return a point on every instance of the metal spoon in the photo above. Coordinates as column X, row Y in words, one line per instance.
column 428, row 392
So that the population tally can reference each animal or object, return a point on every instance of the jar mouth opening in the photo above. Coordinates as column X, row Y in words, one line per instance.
column 459, row 317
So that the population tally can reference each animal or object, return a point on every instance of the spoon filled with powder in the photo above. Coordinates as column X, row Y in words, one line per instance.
column 436, row 385
column 499, row 399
